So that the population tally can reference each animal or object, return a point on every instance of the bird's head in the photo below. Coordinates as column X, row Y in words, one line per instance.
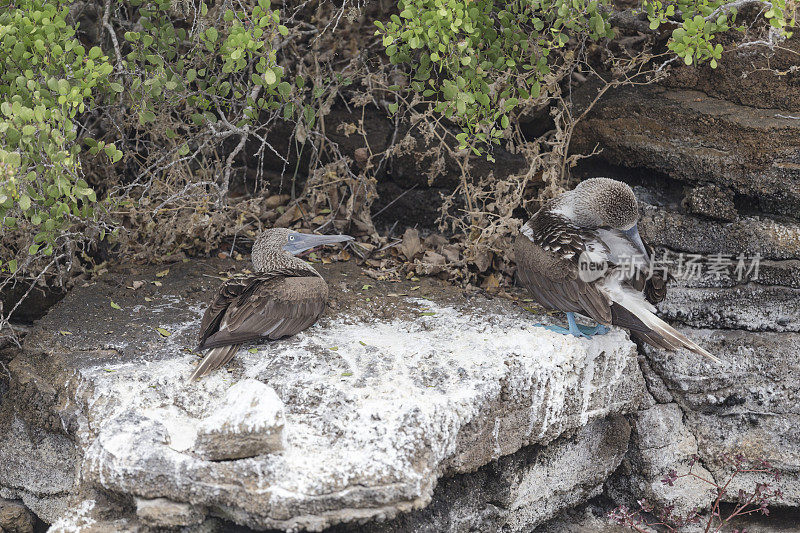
column 276, row 246
column 603, row 203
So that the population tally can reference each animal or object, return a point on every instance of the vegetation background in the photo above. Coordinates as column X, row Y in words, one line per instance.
column 157, row 131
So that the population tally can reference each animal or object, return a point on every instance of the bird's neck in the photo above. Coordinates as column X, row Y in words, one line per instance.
column 276, row 261
column 576, row 209
column 564, row 206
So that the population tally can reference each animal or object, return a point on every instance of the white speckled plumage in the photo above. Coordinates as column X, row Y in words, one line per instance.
column 597, row 219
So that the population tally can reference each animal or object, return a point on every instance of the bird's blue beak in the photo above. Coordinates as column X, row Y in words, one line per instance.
column 300, row 242
column 633, row 236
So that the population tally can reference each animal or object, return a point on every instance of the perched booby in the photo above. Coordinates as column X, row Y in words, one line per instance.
column 285, row 296
column 582, row 253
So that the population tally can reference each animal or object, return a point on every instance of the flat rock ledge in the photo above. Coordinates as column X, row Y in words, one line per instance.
column 354, row 420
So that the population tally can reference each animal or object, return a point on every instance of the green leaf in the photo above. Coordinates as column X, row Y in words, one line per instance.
column 212, row 34
column 24, row 202
column 116, row 87
column 270, row 77
column 115, row 306
column 146, row 116
column 163, row 332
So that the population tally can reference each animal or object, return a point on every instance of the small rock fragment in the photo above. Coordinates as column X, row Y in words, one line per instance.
column 361, row 155
column 15, row 517
column 712, row 201
column 248, row 422
column 161, row 512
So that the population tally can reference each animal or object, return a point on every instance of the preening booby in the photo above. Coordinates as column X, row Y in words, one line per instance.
column 582, row 253
column 285, row 296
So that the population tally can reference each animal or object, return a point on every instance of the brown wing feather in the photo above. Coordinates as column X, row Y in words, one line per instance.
column 229, row 292
column 547, row 261
column 655, row 287
column 271, row 309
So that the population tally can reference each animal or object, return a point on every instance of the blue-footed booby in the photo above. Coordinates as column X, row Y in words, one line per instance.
column 285, row 296
column 582, row 253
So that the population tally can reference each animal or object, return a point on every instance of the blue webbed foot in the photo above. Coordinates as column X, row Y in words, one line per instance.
column 557, row 329
column 576, row 329
column 599, row 329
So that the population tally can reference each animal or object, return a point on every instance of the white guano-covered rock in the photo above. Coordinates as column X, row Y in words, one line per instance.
column 380, row 399
column 247, row 422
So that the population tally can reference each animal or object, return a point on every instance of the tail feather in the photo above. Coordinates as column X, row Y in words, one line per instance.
column 214, row 359
column 673, row 337
column 662, row 333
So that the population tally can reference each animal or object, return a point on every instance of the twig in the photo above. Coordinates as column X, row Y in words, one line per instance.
column 387, row 206
column 112, row 34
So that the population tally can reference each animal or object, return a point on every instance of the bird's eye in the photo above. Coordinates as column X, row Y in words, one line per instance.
column 291, row 237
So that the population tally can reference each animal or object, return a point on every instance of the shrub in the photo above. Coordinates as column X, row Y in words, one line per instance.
column 143, row 118
column 47, row 79
column 756, row 501
column 478, row 60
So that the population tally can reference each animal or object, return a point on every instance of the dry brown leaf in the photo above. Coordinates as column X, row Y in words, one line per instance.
column 491, row 283
column 411, row 244
column 483, row 261
column 435, row 241
column 361, row 155
column 451, row 252
column 291, row 215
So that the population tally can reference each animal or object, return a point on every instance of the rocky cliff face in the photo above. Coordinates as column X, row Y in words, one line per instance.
column 718, row 174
